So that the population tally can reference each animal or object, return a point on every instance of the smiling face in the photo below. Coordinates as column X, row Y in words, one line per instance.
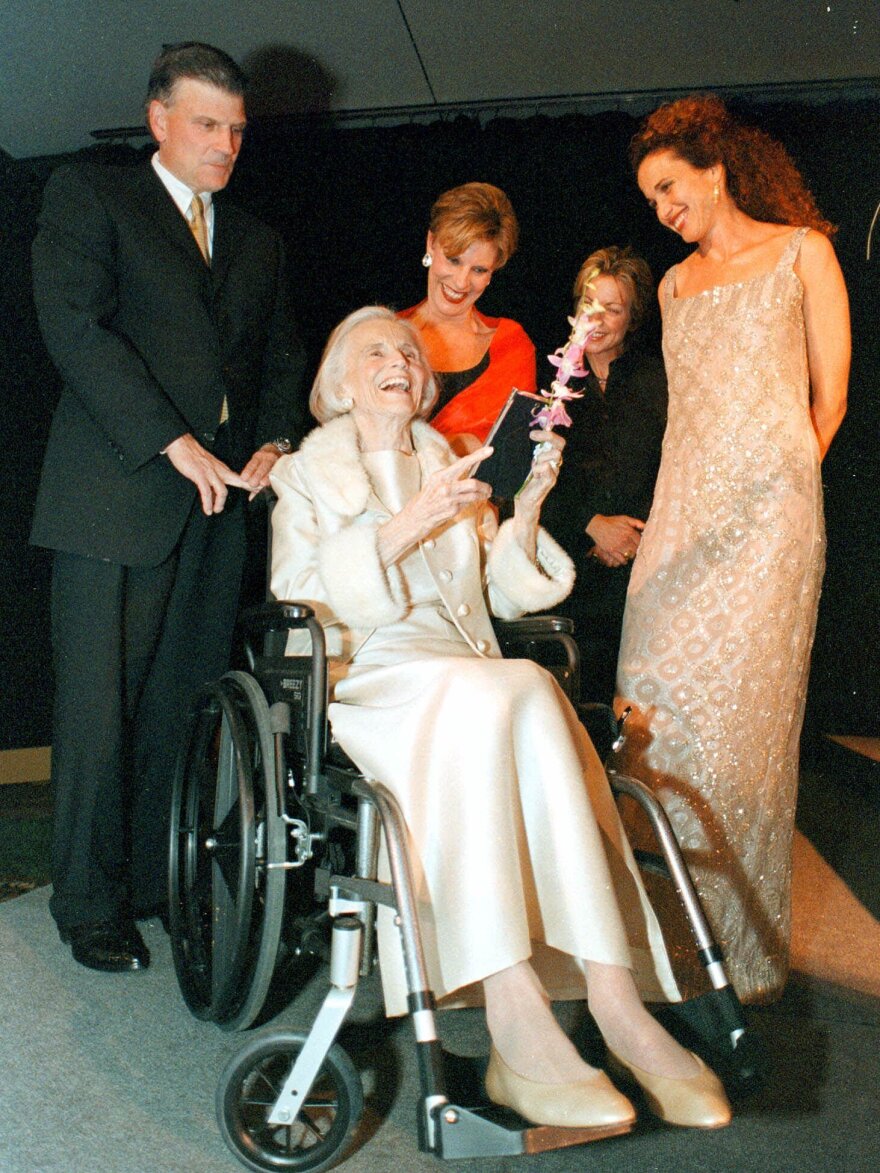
column 681, row 195
column 199, row 132
column 455, row 283
column 607, row 339
column 384, row 372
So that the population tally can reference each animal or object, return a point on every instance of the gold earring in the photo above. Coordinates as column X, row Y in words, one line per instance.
column 716, row 192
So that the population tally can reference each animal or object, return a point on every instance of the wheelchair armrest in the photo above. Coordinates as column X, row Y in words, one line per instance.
column 533, row 627
column 537, row 637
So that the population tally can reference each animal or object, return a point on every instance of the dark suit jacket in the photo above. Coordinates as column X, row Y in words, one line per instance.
column 148, row 340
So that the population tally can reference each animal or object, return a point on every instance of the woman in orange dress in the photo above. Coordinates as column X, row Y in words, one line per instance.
column 476, row 360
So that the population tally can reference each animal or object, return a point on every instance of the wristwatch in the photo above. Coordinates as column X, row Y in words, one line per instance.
column 282, row 444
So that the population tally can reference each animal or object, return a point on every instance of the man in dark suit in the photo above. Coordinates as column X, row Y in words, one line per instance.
column 169, row 324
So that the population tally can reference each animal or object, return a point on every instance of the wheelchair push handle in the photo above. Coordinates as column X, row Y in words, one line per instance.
column 275, row 616
column 287, row 616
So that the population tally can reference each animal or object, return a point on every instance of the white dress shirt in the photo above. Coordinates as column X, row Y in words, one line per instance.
column 183, row 195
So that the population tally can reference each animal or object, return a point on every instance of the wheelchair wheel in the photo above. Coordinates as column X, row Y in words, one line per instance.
column 319, row 1135
column 226, row 902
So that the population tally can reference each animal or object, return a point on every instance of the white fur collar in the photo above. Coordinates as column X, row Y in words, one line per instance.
column 332, row 464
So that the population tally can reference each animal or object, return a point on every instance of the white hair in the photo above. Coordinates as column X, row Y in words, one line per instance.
column 328, row 399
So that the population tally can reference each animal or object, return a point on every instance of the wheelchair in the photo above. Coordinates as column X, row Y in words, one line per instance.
column 273, row 869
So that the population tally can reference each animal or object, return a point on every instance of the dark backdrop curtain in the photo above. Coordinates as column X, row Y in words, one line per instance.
column 353, row 204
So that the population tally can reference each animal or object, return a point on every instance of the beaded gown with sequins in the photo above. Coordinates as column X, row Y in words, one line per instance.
column 721, row 608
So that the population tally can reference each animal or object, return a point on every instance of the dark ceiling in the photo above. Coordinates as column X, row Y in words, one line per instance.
column 70, row 67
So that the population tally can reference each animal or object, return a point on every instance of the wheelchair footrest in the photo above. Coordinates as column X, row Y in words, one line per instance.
column 713, row 1025
column 497, row 1132
column 472, row 1126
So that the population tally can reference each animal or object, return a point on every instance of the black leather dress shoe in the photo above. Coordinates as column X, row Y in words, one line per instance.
column 109, row 945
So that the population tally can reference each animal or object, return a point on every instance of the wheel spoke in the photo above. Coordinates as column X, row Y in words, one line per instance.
column 331, row 1103
column 273, row 1085
column 313, row 1131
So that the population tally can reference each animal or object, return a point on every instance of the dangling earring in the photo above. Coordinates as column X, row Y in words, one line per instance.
column 426, row 260
column 716, row 192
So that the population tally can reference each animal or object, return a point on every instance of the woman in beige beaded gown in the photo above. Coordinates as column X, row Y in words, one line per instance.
column 722, row 602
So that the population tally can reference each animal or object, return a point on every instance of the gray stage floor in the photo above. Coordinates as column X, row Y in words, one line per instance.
column 106, row 1074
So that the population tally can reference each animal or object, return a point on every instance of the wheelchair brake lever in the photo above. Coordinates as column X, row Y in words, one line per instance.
column 620, row 739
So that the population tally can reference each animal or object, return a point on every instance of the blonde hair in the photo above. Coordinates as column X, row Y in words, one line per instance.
column 629, row 270
column 475, row 212
column 327, row 399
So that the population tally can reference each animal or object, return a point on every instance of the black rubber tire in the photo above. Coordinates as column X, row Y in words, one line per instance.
column 271, row 878
column 321, row 1133
column 226, row 907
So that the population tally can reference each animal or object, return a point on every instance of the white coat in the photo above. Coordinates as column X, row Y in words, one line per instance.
column 514, row 839
column 324, row 550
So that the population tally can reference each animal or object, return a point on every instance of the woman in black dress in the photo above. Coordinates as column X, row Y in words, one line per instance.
column 602, row 498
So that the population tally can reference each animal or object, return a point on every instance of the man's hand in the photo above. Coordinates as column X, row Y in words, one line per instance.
column 210, row 475
column 256, row 472
column 616, row 538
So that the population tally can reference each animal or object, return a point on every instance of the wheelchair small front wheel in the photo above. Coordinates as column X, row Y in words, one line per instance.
column 320, row 1134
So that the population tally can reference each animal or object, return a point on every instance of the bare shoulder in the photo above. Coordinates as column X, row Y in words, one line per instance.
column 816, row 247
column 817, row 260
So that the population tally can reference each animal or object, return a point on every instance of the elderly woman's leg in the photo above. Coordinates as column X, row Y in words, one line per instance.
column 629, row 1030
column 533, row 1067
column 678, row 1087
column 524, row 1030
column 533, row 1063
column 529, row 1039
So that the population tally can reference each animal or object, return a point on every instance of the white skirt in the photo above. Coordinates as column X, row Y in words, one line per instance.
column 515, row 842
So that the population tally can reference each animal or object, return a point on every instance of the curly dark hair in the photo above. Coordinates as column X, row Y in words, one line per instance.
column 762, row 178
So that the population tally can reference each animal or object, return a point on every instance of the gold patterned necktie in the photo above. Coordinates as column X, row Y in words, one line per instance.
column 199, row 226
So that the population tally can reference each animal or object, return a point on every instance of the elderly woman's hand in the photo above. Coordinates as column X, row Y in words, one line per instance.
column 545, row 470
column 444, row 494
column 527, row 506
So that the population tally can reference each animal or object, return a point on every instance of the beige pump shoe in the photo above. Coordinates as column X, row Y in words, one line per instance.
column 589, row 1103
column 696, row 1102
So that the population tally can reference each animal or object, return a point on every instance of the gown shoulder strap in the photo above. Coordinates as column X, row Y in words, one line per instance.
column 792, row 248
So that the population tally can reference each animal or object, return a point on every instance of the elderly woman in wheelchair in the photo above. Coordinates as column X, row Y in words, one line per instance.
column 525, row 882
